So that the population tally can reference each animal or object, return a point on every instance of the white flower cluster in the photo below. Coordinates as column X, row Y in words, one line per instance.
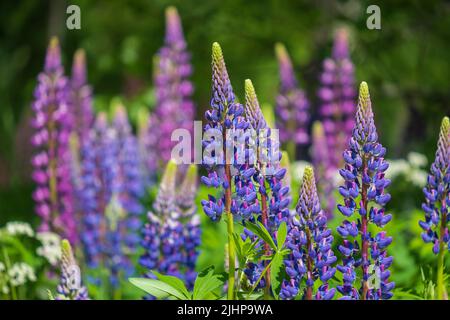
column 410, row 169
column 16, row 228
column 51, row 247
column 20, row 273
column 3, row 280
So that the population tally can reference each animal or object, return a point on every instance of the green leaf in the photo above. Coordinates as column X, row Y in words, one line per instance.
column 206, row 282
column 281, row 235
column 262, row 233
column 276, row 273
column 157, row 288
column 174, row 282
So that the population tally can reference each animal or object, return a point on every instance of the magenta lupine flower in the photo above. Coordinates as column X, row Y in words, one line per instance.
column 437, row 204
column 337, row 97
column 291, row 107
column 310, row 240
column 52, row 164
column 365, row 182
column 81, row 96
column 320, row 156
column 174, row 106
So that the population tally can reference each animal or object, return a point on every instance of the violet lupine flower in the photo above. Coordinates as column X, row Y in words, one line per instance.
column 174, row 106
column 171, row 235
column 131, row 187
column 437, row 203
column 292, row 105
column 81, row 96
column 337, row 97
column 437, row 194
column 364, row 175
column 265, row 177
column 99, row 178
column 324, row 172
column 70, row 286
column 225, row 114
column 52, row 165
column 310, row 241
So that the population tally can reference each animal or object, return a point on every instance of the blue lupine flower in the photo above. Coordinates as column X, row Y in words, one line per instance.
column 437, row 194
column 171, row 235
column 310, row 241
column 364, row 176
column 70, row 286
column 262, row 176
column 220, row 154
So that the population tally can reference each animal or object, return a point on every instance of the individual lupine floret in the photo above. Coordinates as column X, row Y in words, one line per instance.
column 324, row 172
column 437, row 203
column 291, row 107
column 365, row 182
column 81, row 96
column 51, row 162
column 309, row 239
column 174, row 106
column 265, row 176
column 70, row 286
column 337, row 96
column 224, row 144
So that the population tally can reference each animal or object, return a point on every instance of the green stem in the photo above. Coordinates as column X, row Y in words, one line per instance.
column 440, row 271
column 8, row 267
column 259, row 279
column 231, row 257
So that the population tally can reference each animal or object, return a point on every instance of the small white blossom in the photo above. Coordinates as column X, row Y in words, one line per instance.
column 417, row 160
column 20, row 273
column 51, row 247
column 15, row 228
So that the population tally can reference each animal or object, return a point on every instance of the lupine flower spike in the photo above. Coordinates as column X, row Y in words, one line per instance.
column 320, row 157
column 52, row 166
column 174, row 106
column 81, row 96
column 437, row 203
column 263, row 176
column 70, row 286
column 224, row 116
column 292, row 105
column 309, row 239
column 336, row 96
column 171, row 235
column 365, row 182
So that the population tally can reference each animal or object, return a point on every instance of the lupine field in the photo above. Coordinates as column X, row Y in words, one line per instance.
column 300, row 174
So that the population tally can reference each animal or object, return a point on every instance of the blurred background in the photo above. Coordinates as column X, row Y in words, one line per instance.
column 406, row 65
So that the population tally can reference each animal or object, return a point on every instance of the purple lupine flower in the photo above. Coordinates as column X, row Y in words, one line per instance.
column 437, row 194
column 225, row 114
column 81, row 96
column 265, row 177
column 437, row 204
column 174, row 106
column 131, row 187
column 52, row 165
column 70, row 286
column 147, row 149
column 337, row 96
column 310, row 241
column 292, row 105
column 98, row 174
column 171, row 235
column 191, row 221
column 320, row 156
column 364, row 176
